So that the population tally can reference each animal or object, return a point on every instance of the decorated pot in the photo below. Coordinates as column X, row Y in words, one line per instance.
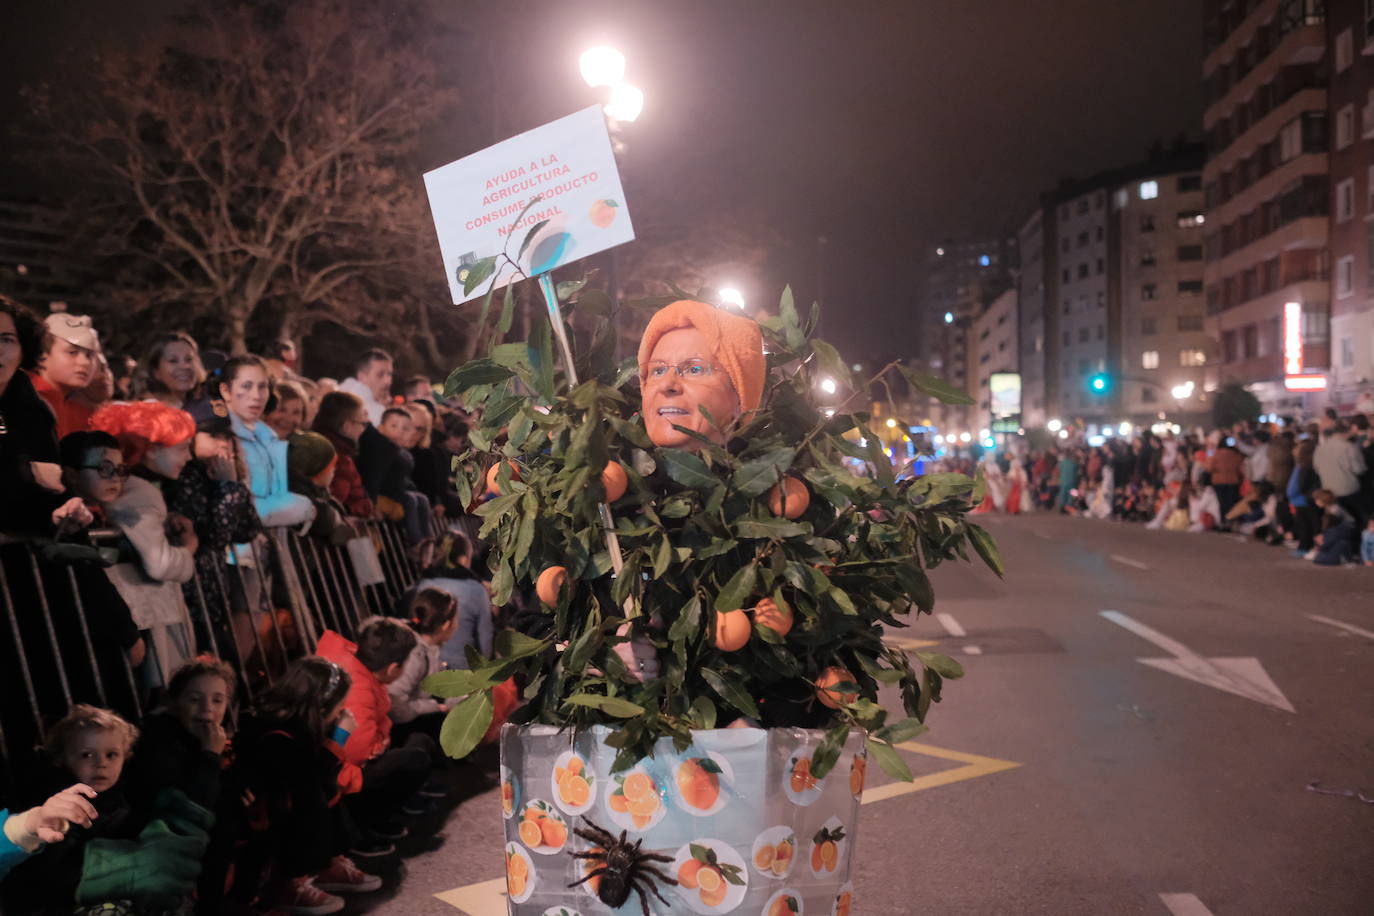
column 736, row 819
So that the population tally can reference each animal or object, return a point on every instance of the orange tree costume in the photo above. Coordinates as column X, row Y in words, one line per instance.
column 703, row 701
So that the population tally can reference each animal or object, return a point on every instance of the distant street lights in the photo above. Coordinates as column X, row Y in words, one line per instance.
column 732, row 297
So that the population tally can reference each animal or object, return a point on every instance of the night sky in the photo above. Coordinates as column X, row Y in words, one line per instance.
column 882, row 126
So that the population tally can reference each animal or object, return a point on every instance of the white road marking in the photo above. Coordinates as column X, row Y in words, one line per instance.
column 1244, row 677
column 1358, row 631
column 950, row 624
column 972, row 650
column 1185, row 905
column 1128, row 561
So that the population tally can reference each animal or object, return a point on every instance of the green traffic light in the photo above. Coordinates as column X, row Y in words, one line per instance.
column 1099, row 383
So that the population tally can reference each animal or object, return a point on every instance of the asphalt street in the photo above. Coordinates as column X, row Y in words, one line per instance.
column 1064, row 775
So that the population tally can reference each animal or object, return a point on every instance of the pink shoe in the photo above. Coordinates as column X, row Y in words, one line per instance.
column 343, row 877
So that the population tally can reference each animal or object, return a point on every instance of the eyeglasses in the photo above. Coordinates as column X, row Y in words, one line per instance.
column 108, row 470
column 694, row 369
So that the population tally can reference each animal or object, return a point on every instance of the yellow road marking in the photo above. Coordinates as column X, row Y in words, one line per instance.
column 488, row 898
column 974, row 765
column 485, row 899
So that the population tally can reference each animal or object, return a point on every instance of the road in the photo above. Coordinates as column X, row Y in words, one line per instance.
column 1178, row 786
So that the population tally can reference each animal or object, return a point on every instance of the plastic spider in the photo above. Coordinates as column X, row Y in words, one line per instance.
column 621, row 866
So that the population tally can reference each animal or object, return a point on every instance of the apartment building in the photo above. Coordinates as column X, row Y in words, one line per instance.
column 36, row 264
column 994, row 335
column 1350, row 31
column 1037, row 327
column 1268, row 198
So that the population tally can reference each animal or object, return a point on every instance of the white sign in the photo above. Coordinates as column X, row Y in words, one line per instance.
column 566, row 168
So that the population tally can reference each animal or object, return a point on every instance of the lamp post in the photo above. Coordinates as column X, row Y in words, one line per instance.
column 603, row 68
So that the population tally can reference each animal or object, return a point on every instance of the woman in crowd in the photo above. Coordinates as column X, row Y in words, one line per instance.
column 244, row 388
column 341, row 419
column 288, row 414
column 171, row 372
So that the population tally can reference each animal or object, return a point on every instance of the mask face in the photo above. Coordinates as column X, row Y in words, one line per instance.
column 683, row 376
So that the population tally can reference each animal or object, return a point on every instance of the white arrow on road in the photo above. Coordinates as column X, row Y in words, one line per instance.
column 1244, row 677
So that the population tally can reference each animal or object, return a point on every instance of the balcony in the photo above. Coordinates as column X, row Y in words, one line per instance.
column 1304, row 232
column 1267, row 188
column 1304, row 43
column 1266, row 129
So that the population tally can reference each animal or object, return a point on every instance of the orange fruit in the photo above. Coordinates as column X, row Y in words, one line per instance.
column 550, row 583
column 785, row 850
column 830, row 855
column 816, row 858
column 516, row 865
column 644, row 806
column 492, row 486
column 687, row 874
column 780, row 866
column 783, row 906
column 732, row 630
column 768, row 614
column 842, row 904
column 574, row 765
column 620, row 803
column 716, row 897
column 615, row 481
column 789, row 498
column 641, row 820
column 553, row 833
column 602, row 213
column 763, row 859
column 515, row 887
column 709, row 878
column 825, row 687
column 699, row 788
column 638, row 785
column 856, row 775
column 530, row 834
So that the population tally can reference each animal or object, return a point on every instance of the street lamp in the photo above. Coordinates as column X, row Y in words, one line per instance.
column 1182, row 392
column 1055, row 425
column 601, row 66
column 732, row 297
column 828, row 385
column 625, row 102
column 949, row 318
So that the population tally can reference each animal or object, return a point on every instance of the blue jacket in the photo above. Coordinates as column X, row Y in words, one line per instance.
column 11, row 854
column 265, row 456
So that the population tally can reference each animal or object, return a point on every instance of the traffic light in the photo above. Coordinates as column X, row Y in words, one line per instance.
column 1100, row 383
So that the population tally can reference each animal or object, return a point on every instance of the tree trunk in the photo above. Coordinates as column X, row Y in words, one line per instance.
column 238, row 331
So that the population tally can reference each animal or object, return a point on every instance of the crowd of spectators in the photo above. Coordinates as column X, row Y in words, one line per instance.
column 1308, row 487
column 237, row 764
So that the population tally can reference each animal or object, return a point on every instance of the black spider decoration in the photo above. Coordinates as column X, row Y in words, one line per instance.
column 621, row 866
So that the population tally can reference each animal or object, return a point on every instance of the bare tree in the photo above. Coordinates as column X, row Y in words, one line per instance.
column 264, row 161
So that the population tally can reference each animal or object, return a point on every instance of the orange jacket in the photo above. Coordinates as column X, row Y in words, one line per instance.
column 370, row 704
column 72, row 415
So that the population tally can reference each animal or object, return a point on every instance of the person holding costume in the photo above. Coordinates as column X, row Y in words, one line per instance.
column 700, row 370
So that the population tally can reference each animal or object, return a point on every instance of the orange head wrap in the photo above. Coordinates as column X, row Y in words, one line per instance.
column 143, row 426
column 735, row 341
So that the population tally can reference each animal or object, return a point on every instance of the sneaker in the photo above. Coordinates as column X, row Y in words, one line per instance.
column 433, row 789
column 389, row 830
column 372, row 850
column 343, row 877
column 303, row 897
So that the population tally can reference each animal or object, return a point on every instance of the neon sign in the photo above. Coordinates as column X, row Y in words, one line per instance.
column 1292, row 338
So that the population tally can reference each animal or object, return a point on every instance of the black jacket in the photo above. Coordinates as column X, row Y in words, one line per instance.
column 30, row 434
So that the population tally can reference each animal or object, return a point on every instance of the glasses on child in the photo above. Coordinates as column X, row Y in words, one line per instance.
column 693, row 369
column 108, row 470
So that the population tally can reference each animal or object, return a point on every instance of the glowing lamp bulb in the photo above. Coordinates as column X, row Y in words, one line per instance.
column 828, row 385
column 601, row 66
column 732, row 297
column 626, row 102
column 1054, row 426
column 891, row 423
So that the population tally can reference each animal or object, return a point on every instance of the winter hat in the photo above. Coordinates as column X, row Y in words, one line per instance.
column 74, row 329
column 307, row 454
column 735, row 341
column 143, row 426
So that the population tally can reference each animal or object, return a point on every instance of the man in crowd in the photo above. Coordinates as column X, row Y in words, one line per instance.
column 419, row 388
column 371, row 382
column 1340, row 463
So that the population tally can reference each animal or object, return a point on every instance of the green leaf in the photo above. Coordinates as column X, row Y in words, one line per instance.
column 731, row 690
column 770, row 528
column 888, row 758
column 687, row 469
column 470, row 375
column 457, row 682
column 828, row 753
column 703, row 713
column 511, row 644
column 566, row 289
column 736, row 592
column 529, row 237
column 611, row 706
column 941, row 664
column 465, row 724
column 915, row 584
column 987, row 549
column 902, row 730
column 754, row 478
column 939, row 389
column 688, row 622
column 477, row 273
column 507, row 310
column 831, row 361
column 594, row 302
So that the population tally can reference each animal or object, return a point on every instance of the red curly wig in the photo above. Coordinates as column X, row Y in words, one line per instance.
column 143, row 426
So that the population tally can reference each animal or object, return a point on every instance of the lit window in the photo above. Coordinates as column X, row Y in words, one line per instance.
column 1149, row 359
column 1192, row 358
column 1149, row 190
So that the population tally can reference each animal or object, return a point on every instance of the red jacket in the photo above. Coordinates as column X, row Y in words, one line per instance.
column 347, row 486
column 1226, row 466
column 72, row 415
column 368, row 701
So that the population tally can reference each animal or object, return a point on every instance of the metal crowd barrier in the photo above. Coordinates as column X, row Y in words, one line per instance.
column 258, row 613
